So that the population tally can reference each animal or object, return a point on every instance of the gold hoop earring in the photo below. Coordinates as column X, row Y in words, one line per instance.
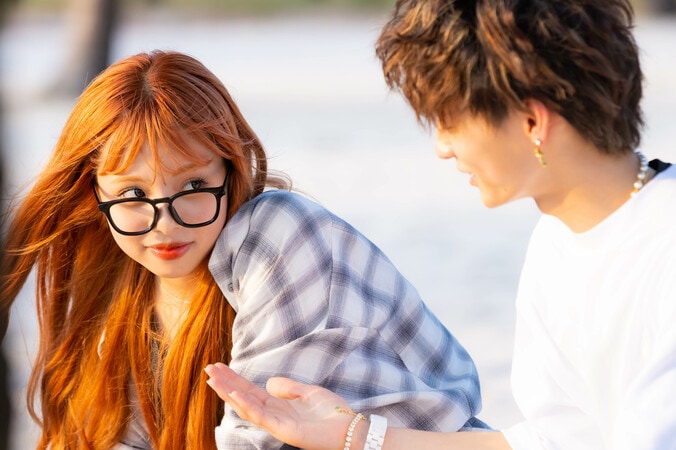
column 538, row 153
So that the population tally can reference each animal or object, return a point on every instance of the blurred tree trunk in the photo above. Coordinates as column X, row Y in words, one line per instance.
column 93, row 23
column 664, row 6
column 5, row 402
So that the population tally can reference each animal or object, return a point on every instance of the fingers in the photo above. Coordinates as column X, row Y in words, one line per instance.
column 229, row 386
column 247, row 408
column 227, row 377
column 286, row 388
column 224, row 380
column 289, row 410
column 244, row 397
column 289, row 389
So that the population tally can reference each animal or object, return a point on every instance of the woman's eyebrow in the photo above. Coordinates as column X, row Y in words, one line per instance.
column 122, row 179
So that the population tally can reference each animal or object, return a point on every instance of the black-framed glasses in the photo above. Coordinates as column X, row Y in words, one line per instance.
column 192, row 209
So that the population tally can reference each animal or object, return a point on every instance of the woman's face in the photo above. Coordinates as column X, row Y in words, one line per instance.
column 168, row 250
column 499, row 160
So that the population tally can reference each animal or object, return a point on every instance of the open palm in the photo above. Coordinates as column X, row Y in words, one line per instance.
column 301, row 415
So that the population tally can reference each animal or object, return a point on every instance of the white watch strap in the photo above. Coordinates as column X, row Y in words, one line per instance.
column 376, row 435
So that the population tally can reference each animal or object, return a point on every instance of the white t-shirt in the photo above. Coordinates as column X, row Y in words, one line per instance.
column 595, row 352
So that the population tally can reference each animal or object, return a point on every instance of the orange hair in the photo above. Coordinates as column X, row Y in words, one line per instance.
column 87, row 287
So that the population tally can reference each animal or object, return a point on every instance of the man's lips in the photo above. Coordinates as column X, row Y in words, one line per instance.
column 472, row 178
column 169, row 251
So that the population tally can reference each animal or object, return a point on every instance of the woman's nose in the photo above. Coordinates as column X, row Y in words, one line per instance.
column 165, row 221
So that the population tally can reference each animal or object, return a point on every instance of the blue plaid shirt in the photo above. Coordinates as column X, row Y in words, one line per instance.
column 318, row 302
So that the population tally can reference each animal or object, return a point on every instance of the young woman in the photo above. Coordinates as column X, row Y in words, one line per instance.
column 537, row 99
column 157, row 251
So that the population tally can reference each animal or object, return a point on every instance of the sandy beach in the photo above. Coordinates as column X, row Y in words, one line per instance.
column 313, row 90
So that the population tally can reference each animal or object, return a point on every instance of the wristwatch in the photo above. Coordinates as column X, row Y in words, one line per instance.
column 376, row 434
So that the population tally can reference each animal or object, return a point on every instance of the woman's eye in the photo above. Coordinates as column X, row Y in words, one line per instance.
column 197, row 183
column 133, row 193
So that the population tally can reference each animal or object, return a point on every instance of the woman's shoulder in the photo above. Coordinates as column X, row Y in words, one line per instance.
column 283, row 207
column 280, row 198
column 269, row 224
column 277, row 216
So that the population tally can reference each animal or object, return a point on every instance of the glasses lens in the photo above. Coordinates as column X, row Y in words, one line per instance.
column 132, row 217
column 196, row 208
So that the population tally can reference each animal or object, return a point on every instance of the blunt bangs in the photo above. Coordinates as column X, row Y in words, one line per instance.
column 163, row 121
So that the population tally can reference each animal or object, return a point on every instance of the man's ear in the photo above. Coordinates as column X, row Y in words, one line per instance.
column 538, row 120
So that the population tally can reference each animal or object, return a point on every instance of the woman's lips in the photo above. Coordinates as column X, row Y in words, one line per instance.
column 169, row 251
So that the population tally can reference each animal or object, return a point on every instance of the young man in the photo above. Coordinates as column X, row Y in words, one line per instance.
column 536, row 99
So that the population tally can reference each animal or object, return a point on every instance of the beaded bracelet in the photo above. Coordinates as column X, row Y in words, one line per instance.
column 350, row 430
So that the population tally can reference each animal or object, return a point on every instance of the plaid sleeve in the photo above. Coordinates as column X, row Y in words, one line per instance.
column 318, row 302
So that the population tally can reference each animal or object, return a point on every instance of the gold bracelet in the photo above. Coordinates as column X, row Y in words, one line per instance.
column 340, row 409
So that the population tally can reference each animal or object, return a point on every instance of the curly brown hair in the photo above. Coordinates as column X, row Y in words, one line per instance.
column 578, row 57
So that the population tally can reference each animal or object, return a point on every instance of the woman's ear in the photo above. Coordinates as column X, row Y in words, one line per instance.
column 538, row 120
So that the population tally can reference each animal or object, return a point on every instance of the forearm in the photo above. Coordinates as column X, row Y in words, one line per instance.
column 406, row 439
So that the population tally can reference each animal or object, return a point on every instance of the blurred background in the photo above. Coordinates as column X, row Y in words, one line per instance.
column 305, row 75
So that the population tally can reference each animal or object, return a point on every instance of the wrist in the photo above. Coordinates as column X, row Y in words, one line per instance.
column 355, row 431
column 359, row 436
column 369, row 435
column 353, row 436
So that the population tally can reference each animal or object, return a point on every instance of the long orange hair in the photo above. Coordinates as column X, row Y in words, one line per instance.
column 94, row 303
